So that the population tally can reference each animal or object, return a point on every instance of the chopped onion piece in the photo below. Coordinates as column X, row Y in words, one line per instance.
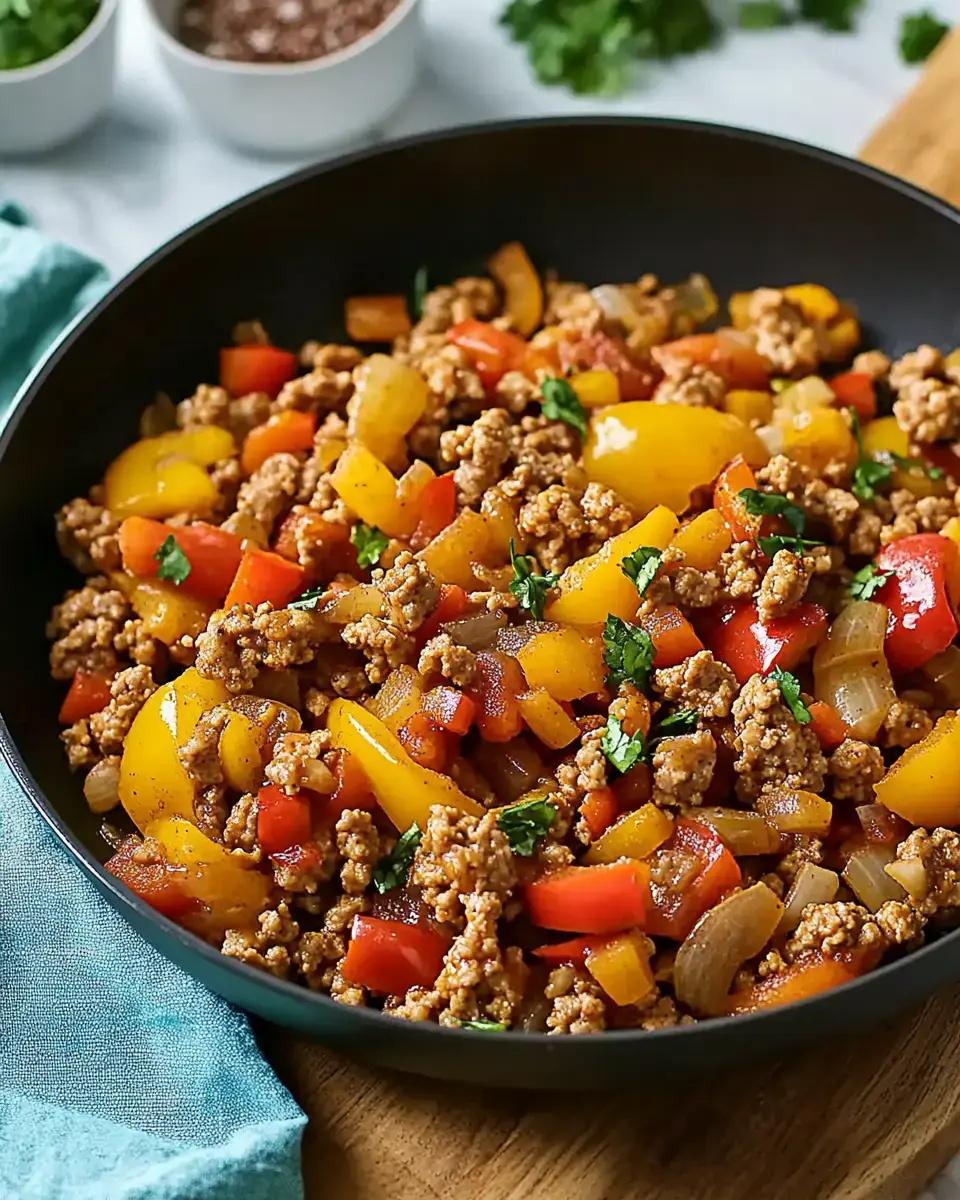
column 943, row 673
column 398, row 698
column 811, row 885
column 100, row 788
column 615, row 306
column 850, row 670
column 857, row 633
column 800, row 397
column 866, row 877
column 478, row 631
column 795, row 811
column 724, row 938
column 741, row 831
column 880, row 825
column 363, row 600
column 158, row 417
column 772, row 437
column 911, row 875
column 695, row 298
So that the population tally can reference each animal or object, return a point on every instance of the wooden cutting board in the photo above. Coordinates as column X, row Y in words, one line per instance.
column 872, row 1119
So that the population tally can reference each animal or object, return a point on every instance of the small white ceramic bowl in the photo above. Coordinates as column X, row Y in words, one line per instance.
column 52, row 101
column 296, row 108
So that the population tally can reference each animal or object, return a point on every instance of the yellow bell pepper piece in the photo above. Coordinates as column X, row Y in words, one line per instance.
column 595, row 587
column 368, row 487
column 921, row 786
column 622, row 967
column 952, row 530
column 818, row 437
column 234, row 894
column 152, row 781
column 468, row 539
column 389, row 399
column 399, row 698
column 523, row 293
column 157, row 477
column 501, row 525
column 405, row 791
column 634, row 836
column 816, row 303
column 883, row 435
column 844, row 337
column 168, row 613
column 752, row 408
column 703, row 541
column 596, row 389
column 241, row 752
column 739, row 307
column 661, row 453
column 547, row 719
column 328, row 450
column 564, row 662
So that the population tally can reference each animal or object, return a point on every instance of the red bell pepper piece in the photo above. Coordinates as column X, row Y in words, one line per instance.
column 810, row 976
column 736, row 636
column 919, row 597
column 437, row 508
column 214, row 554
column 263, row 576
column 492, row 351
column 282, row 821
column 285, row 433
column 453, row 603
column 601, row 899
column 831, row 729
column 674, row 638
column 498, row 682
column 353, row 788
column 150, row 881
column 574, row 950
column 89, row 693
column 599, row 809
column 390, row 956
column 633, row 789
column 737, row 361
column 944, row 456
column 638, row 376
column 450, row 708
column 726, row 500
column 688, row 874
column 854, row 389
column 427, row 744
column 305, row 857
column 245, row 369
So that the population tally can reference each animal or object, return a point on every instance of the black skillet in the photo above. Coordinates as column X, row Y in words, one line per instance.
column 598, row 200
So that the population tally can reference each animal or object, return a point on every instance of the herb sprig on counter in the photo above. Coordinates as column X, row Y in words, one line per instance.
column 32, row 30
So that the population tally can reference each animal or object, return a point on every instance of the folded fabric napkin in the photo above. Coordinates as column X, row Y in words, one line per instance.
column 120, row 1077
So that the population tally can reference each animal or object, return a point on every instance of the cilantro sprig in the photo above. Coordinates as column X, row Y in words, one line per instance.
column 530, row 589
column 624, row 750
column 420, row 289
column 483, row 1026
column 525, row 823
column 173, row 563
column 642, row 566
column 868, row 474
column 32, row 30
column 629, row 652
column 790, row 690
column 920, row 34
column 392, row 870
column 561, row 403
column 370, row 543
column 868, row 581
column 771, row 504
column 684, row 720
column 308, row 599
column 798, row 545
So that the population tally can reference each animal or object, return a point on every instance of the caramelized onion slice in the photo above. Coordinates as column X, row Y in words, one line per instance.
column 794, row 811
column 740, row 830
column 866, row 876
column 811, row 885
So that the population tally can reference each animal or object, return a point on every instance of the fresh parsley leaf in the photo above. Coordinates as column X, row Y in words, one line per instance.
column 531, row 590
column 642, row 566
column 770, row 545
column 174, row 564
column 483, row 1026
column 790, row 690
column 868, row 581
column 32, row 30
column 308, row 599
column 392, row 870
column 920, row 34
column 835, row 15
column 628, row 652
column 420, row 288
column 868, row 474
column 762, row 14
column 684, row 720
column 524, row 824
column 622, row 751
column 912, row 466
column 561, row 403
column 370, row 544
column 770, row 504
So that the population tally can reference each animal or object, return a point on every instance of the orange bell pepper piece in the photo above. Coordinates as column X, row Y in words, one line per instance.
column 376, row 318
column 263, row 576
column 437, row 507
column 831, row 729
column 245, row 369
column 453, row 603
column 811, row 976
column 739, row 364
column 427, row 744
column 496, row 689
column 604, row 899
column 733, row 479
column 523, row 294
column 856, row 390
column 285, row 433
column 152, row 882
column 450, row 708
column 599, row 810
column 493, row 352
column 89, row 693
column 674, row 638
column 548, row 719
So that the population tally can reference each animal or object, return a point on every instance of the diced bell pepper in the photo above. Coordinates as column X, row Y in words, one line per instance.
column 161, row 476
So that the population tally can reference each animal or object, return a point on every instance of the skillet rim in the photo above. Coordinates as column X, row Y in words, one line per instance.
column 121, row 897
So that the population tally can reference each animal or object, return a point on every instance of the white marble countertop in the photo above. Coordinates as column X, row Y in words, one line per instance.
column 146, row 171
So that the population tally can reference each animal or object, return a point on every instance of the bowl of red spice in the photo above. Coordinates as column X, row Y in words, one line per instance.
column 290, row 77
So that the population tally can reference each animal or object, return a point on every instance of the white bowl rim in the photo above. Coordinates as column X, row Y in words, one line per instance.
column 229, row 66
column 104, row 14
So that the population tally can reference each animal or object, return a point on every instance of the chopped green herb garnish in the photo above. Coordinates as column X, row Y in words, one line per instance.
column 835, row 15
column 798, row 545
column 868, row 581
column 483, row 1026
column 868, row 474
column 622, row 752
column 920, row 34
column 561, row 403
column 308, row 599
column 761, row 14
column 524, row 824
column 32, row 30
column 912, row 466
column 531, row 590
column 370, row 544
column 628, row 652
column 684, row 720
column 174, row 564
column 770, row 504
column 420, row 288
column 790, row 690
column 392, row 870
column 642, row 566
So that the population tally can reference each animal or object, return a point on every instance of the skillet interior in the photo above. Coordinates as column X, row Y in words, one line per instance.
column 598, row 200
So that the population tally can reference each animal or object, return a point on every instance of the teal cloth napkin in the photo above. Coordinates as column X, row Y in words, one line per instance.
column 120, row 1077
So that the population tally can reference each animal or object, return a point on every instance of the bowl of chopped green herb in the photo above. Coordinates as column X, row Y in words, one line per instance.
column 56, row 70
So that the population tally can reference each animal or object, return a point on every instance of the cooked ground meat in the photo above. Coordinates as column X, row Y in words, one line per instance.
column 442, row 656
column 682, row 769
column 690, row 383
column 905, row 724
column 479, row 452
column 938, row 853
column 87, row 536
column 84, row 627
column 358, row 844
column 855, row 767
column 740, row 570
column 699, row 682
column 298, row 763
column 461, row 855
column 409, row 590
column 270, row 489
column 772, row 747
column 383, row 644
column 241, row 639
column 240, row 830
column 269, row 947
column 786, row 580
column 927, row 407
column 577, row 1002
column 781, row 333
